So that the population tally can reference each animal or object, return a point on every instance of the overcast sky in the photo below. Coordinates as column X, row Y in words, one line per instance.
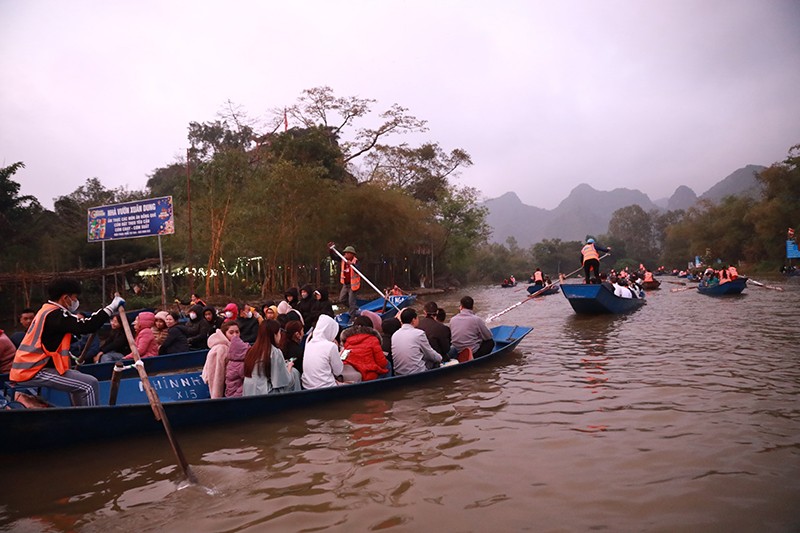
column 544, row 95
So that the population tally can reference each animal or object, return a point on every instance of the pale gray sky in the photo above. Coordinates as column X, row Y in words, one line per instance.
column 544, row 95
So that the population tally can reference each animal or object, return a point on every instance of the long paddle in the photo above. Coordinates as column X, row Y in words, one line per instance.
column 155, row 402
column 683, row 289
column 82, row 357
column 675, row 282
column 759, row 284
column 333, row 247
column 535, row 294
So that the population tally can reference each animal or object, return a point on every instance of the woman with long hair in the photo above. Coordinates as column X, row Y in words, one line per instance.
column 292, row 343
column 265, row 369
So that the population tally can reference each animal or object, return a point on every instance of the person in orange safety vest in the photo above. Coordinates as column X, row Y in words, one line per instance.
column 43, row 358
column 590, row 257
column 348, row 277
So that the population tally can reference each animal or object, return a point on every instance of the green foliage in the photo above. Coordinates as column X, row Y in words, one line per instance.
column 278, row 198
column 315, row 146
column 634, row 227
column 463, row 224
column 739, row 228
column 779, row 209
column 556, row 256
column 21, row 223
column 423, row 172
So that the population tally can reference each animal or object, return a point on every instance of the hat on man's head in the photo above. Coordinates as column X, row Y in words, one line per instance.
column 350, row 249
column 589, row 241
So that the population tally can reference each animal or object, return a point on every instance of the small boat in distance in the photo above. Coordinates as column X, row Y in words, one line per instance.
column 382, row 306
column 543, row 290
column 594, row 299
column 724, row 289
column 651, row 285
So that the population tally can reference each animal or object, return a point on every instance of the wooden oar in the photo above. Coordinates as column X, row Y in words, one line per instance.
column 333, row 247
column 675, row 282
column 535, row 294
column 155, row 402
column 82, row 356
column 683, row 289
column 759, row 284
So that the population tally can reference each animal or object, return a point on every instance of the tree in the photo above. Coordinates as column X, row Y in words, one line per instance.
column 320, row 107
column 661, row 223
column 72, row 248
column 422, row 171
column 315, row 146
column 20, row 222
column 779, row 208
column 556, row 256
column 463, row 221
column 633, row 226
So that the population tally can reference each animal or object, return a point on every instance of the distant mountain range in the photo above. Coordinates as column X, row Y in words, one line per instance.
column 588, row 211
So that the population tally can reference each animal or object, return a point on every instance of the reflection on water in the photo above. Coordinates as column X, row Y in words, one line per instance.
column 681, row 416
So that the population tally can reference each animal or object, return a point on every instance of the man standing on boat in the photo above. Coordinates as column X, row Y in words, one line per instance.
column 43, row 358
column 590, row 256
column 348, row 277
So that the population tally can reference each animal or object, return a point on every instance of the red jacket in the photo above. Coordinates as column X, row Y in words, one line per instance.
column 366, row 355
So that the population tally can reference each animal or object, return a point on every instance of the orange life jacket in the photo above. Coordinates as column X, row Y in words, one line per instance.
column 732, row 272
column 32, row 356
column 589, row 252
column 537, row 277
column 355, row 279
column 648, row 276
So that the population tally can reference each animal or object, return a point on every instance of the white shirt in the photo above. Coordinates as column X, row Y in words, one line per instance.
column 619, row 290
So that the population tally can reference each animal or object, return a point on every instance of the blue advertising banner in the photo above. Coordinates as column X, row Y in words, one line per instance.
column 143, row 218
column 791, row 250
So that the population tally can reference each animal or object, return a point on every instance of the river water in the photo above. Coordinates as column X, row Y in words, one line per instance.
column 683, row 416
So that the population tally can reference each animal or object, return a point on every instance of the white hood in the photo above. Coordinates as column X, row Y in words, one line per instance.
column 325, row 330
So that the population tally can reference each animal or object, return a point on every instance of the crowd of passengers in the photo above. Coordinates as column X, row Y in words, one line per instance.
column 712, row 278
column 296, row 344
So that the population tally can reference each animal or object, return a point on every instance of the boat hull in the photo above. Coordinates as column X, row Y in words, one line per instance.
column 533, row 289
column 725, row 289
column 27, row 429
column 593, row 299
column 651, row 285
column 382, row 306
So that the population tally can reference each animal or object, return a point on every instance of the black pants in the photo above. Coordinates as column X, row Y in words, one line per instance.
column 486, row 347
column 592, row 264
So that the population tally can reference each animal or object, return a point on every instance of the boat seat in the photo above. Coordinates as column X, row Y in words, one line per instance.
column 30, row 396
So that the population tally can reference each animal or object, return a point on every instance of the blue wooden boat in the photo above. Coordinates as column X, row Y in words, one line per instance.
column 724, row 289
column 594, row 299
column 543, row 291
column 152, row 365
column 382, row 306
column 186, row 401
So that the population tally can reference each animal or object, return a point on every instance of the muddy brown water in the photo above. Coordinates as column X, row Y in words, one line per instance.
column 683, row 416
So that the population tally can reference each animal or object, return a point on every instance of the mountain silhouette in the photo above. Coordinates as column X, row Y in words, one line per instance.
column 587, row 211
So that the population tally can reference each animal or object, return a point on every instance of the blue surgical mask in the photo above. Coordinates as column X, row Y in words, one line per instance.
column 74, row 305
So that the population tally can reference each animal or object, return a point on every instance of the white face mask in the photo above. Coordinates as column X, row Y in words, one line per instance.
column 249, row 314
column 193, row 316
column 74, row 305
column 228, row 314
